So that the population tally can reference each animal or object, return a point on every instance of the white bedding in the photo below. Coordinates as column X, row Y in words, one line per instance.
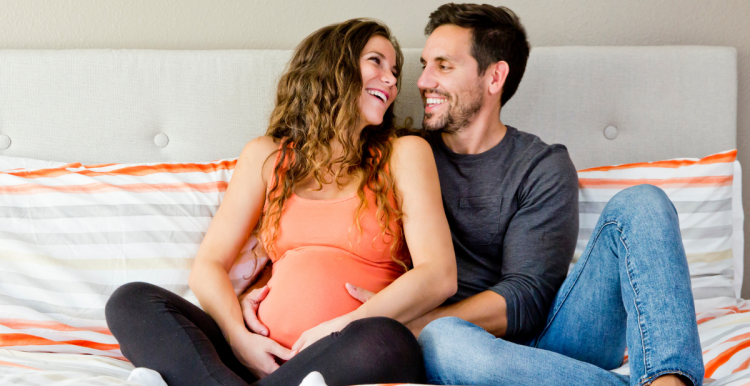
column 724, row 333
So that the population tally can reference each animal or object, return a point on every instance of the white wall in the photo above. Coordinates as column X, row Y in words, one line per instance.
column 281, row 24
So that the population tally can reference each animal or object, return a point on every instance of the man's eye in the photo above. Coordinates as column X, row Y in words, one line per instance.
column 443, row 67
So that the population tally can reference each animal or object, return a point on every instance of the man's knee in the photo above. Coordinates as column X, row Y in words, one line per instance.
column 449, row 336
column 642, row 199
column 453, row 348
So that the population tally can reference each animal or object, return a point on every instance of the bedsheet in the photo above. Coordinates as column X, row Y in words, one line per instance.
column 724, row 333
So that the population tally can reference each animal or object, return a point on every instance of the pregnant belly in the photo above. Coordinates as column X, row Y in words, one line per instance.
column 307, row 288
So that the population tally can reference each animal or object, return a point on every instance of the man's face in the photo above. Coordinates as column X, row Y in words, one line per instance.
column 452, row 91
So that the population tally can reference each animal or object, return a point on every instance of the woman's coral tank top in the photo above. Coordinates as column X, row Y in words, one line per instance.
column 318, row 249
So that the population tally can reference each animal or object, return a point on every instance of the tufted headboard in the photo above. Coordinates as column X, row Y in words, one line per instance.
column 606, row 104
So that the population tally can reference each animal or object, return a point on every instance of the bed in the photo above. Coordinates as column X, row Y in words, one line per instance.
column 95, row 121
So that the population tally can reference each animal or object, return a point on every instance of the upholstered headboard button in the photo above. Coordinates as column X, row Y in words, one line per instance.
column 161, row 140
column 4, row 142
column 610, row 132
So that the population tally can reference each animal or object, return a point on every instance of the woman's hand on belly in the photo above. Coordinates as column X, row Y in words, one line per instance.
column 257, row 352
column 321, row 331
column 249, row 303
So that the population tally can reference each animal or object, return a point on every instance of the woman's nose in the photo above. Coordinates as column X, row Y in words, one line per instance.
column 388, row 78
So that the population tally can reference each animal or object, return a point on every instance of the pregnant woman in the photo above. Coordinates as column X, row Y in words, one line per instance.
column 335, row 196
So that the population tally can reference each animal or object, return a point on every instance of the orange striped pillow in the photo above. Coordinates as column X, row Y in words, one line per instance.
column 706, row 194
column 72, row 234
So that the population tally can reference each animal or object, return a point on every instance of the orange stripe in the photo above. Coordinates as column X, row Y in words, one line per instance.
column 742, row 366
column 727, row 157
column 689, row 182
column 738, row 338
column 11, row 364
column 7, row 340
column 706, row 319
column 18, row 324
column 717, row 362
column 137, row 170
column 100, row 187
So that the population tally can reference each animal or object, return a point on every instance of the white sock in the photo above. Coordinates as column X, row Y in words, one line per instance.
column 313, row 379
column 146, row 377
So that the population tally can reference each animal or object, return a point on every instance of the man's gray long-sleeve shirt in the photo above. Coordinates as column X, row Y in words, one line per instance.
column 513, row 214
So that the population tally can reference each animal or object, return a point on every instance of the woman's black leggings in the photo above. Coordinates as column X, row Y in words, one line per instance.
column 161, row 331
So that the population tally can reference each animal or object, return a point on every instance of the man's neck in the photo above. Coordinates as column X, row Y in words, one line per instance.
column 482, row 134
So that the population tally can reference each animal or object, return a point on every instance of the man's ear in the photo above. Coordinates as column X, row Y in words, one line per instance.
column 497, row 73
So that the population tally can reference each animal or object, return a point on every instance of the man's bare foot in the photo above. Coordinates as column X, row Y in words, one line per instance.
column 668, row 380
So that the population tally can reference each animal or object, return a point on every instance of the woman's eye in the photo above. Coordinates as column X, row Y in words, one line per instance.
column 375, row 59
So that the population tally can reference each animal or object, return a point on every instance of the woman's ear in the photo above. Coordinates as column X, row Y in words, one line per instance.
column 497, row 74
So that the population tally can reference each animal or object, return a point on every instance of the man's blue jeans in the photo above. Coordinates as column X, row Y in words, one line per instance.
column 631, row 287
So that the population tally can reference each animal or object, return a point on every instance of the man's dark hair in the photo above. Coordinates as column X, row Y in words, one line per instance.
column 497, row 35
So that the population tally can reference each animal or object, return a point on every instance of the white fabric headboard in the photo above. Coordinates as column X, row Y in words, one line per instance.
column 95, row 106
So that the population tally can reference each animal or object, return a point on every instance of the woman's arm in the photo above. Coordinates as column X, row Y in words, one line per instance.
column 433, row 278
column 234, row 220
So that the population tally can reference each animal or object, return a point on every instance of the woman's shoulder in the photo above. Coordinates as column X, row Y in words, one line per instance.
column 411, row 154
column 259, row 149
column 411, row 148
column 257, row 153
column 264, row 144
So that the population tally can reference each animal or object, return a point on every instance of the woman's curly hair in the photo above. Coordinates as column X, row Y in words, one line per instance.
column 317, row 101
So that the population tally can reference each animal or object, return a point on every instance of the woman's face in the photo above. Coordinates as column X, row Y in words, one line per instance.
column 378, row 64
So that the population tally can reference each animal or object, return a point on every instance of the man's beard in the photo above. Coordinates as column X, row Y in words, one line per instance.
column 458, row 115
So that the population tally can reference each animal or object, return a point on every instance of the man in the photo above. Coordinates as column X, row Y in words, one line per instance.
column 512, row 205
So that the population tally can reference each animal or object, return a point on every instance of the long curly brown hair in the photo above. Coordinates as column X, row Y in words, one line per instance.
column 318, row 101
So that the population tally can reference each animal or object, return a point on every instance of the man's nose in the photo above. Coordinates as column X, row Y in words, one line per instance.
column 426, row 80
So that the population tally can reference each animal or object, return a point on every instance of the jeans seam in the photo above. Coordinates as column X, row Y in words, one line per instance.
column 641, row 329
column 565, row 297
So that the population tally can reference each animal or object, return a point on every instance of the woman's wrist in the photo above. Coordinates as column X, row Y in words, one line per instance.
column 231, row 332
column 357, row 314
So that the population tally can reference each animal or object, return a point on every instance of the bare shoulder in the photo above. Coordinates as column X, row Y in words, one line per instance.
column 413, row 165
column 262, row 146
column 411, row 152
column 258, row 155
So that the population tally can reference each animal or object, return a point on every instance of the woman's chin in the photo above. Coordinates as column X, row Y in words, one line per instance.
column 374, row 121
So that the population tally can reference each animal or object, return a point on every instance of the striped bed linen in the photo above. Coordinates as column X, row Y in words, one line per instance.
column 724, row 334
column 706, row 194
column 70, row 235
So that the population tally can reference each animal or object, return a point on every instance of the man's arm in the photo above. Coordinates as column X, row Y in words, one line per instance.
column 539, row 243
column 485, row 309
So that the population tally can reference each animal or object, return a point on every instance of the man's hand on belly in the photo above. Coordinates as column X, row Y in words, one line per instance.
column 249, row 303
